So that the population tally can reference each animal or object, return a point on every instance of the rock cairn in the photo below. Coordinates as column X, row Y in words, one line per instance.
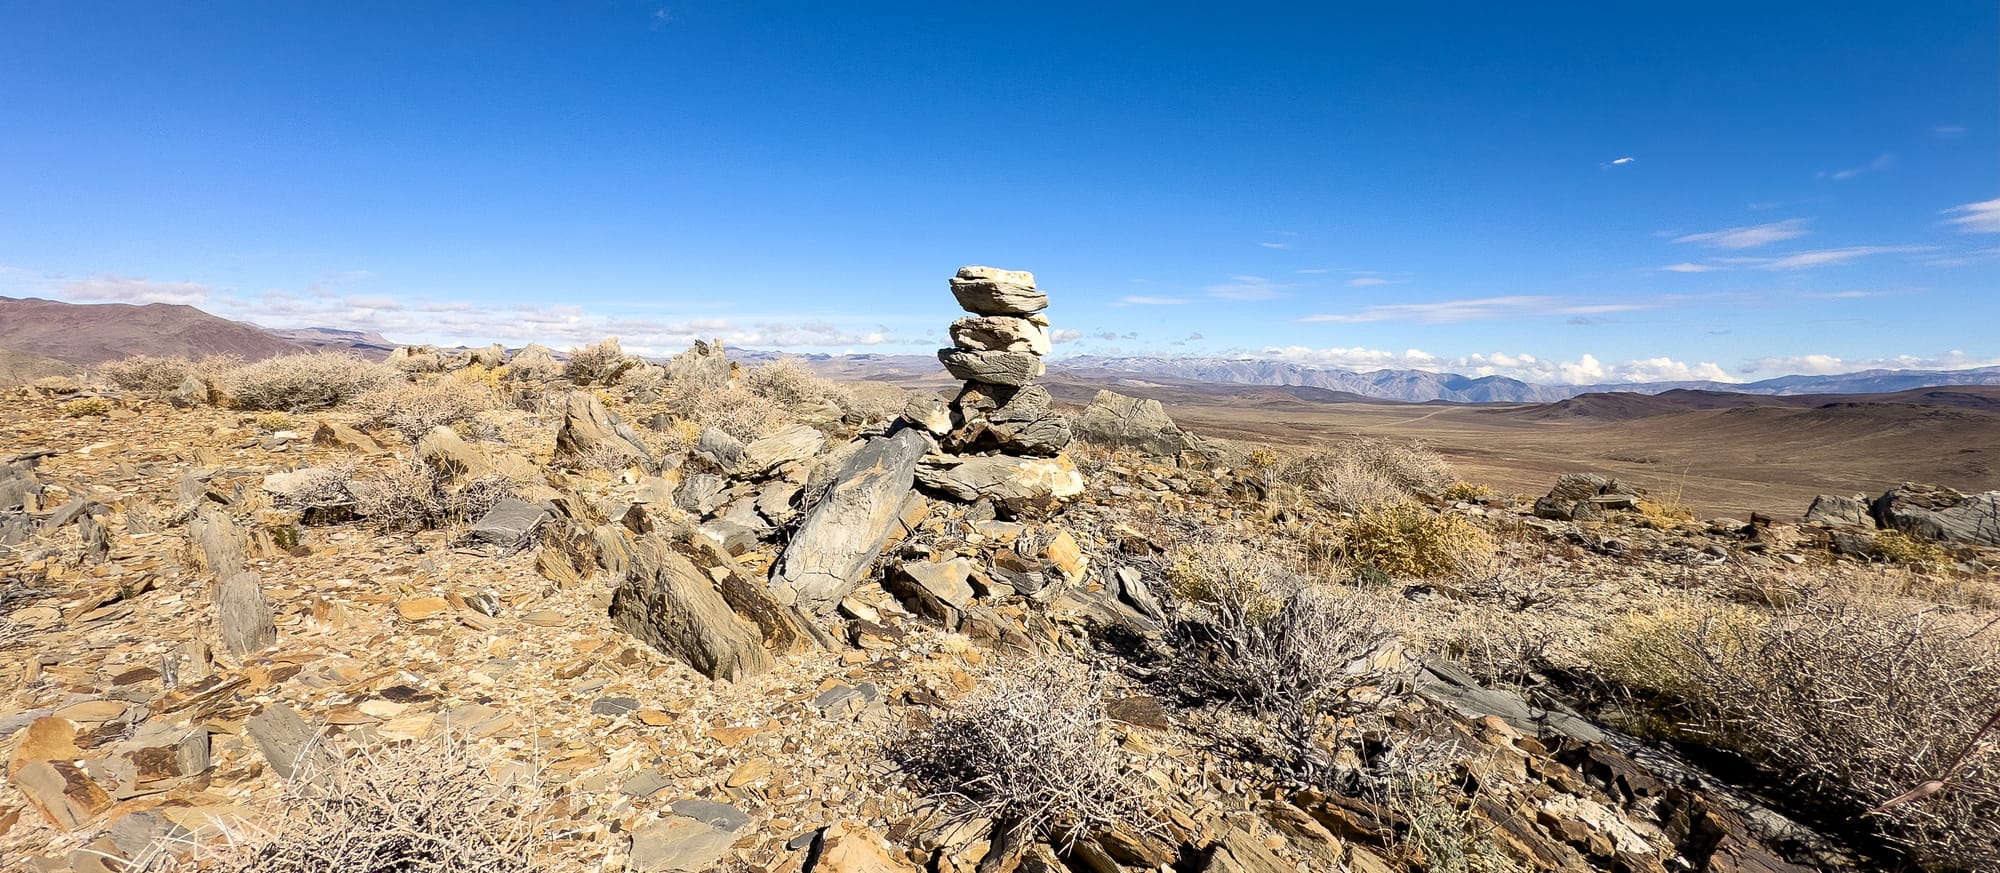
column 998, row 352
column 1000, row 440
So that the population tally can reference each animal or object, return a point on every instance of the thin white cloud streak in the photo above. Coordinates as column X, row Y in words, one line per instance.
column 1882, row 162
column 1247, row 288
column 1827, row 365
column 1981, row 217
column 1585, row 370
column 1808, row 260
column 1618, row 162
column 1065, row 335
column 1478, row 309
column 1275, row 245
column 1144, row 300
column 120, row 289
column 1749, row 237
column 1370, row 282
column 1690, row 268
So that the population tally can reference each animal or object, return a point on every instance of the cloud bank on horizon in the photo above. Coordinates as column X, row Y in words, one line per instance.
column 803, row 179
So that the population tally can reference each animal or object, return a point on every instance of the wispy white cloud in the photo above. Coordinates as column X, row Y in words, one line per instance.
column 1619, row 162
column 1749, row 237
column 1370, row 282
column 1143, row 300
column 1275, row 245
column 1823, row 365
column 109, row 288
column 1947, row 131
column 1313, row 271
column 1065, row 335
column 1585, row 370
column 1881, row 162
column 1981, row 217
column 1690, row 268
column 1822, row 257
column 1247, row 288
column 1481, row 309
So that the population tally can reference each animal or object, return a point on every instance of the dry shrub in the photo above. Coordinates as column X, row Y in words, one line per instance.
column 727, row 406
column 1404, row 540
column 272, row 422
column 86, row 407
column 533, row 363
column 1367, row 472
column 1031, row 751
column 791, row 385
column 1857, row 702
column 599, row 363
column 413, row 496
column 1252, row 578
column 315, row 380
column 429, row 806
column 160, row 375
column 1441, row 835
column 1467, row 492
column 413, row 409
column 317, row 487
column 1918, row 553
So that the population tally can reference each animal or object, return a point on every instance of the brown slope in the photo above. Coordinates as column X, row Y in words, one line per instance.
column 20, row 368
column 92, row 333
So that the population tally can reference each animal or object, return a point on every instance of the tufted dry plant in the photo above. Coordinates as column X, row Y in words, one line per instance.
column 315, row 380
column 1031, row 751
column 600, row 363
column 1405, row 540
column 1863, row 700
column 412, row 495
column 159, row 375
column 414, row 408
column 1366, row 472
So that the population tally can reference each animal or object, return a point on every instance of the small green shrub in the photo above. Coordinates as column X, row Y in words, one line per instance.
column 86, row 407
column 1405, row 540
column 1898, row 547
column 272, row 422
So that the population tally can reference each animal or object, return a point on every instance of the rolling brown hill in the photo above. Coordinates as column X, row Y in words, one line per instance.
column 97, row 332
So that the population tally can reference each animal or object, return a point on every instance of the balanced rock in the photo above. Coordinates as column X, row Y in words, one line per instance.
column 1006, row 419
column 993, row 368
column 1002, row 333
column 990, row 291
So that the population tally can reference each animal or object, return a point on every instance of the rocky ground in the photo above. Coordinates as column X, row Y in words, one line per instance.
column 186, row 642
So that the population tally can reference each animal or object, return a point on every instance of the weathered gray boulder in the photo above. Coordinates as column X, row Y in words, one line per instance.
column 671, row 604
column 1586, row 497
column 991, row 291
column 1939, row 513
column 492, row 357
column 704, row 362
column 1113, row 419
column 1017, row 421
column 928, row 413
column 993, row 368
column 1835, row 509
column 18, row 486
column 847, row 527
column 1006, row 480
column 589, row 431
column 1002, row 333
column 701, row 494
column 796, row 443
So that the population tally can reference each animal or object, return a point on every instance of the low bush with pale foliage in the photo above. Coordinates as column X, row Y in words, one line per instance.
column 599, row 363
column 1363, row 473
column 727, row 406
column 1405, row 540
column 413, row 495
column 160, row 375
column 1871, row 704
column 413, row 409
column 315, row 380
column 1031, row 751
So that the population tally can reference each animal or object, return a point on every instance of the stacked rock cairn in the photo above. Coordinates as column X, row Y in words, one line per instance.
column 998, row 351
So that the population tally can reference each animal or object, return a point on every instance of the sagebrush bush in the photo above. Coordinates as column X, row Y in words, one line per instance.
column 1857, row 702
column 86, row 407
column 1030, row 750
column 726, row 406
column 315, row 487
column 1405, row 540
column 272, row 422
column 1898, row 547
column 413, row 495
column 1250, row 579
column 315, row 380
column 1364, row 473
column 160, row 375
column 428, row 806
column 599, row 363
column 1468, row 492
column 414, row 408
column 790, row 384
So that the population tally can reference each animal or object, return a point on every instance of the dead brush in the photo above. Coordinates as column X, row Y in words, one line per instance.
column 413, row 409
column 413, row 496
column 1367, row 472
column 315, row 380
column 1030, row 750
column 1863, row 701
column 429, row 806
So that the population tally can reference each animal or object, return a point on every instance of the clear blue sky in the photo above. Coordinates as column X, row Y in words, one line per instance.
column 1562, row 192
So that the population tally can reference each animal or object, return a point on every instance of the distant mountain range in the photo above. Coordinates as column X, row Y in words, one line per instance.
column 40, row 336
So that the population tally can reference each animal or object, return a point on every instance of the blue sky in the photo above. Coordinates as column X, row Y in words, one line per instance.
column 1570, row 192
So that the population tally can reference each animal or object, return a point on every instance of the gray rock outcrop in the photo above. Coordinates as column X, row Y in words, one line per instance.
column 845, row 531
column 1835, row 509
column 593, row 432
column 1113, row 419
column 674, row 606
column 1938, row 513
column 704, row 362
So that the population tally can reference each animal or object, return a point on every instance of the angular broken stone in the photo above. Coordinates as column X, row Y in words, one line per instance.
column 1118, row 421
column 1002, row 479
column 671, row 604
column 1002, row 333
column 847, row 527
column 937, row 590
column 589, row 431
column 289, row 745
column 509, row 526
column 248, row 624
column 795, row 443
